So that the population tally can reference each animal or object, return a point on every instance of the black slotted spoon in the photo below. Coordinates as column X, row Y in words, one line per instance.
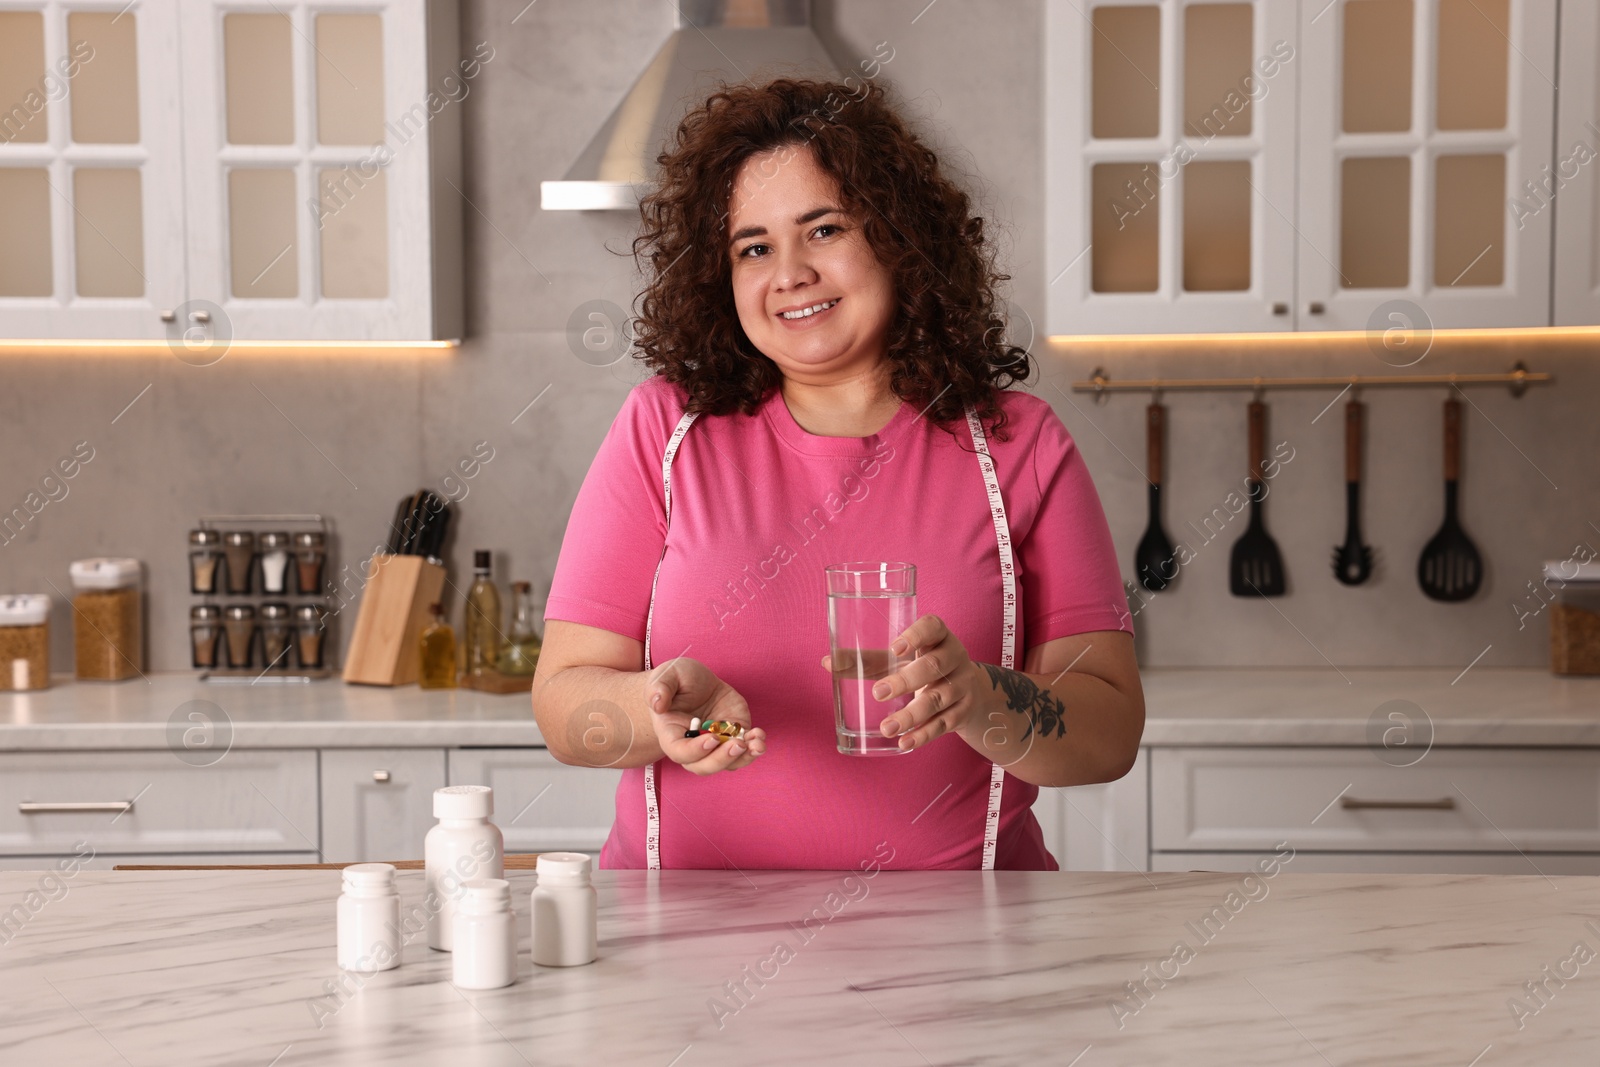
column 1153, row 560
column 1256, row 566
column 1450, row 568
column 1352, row 561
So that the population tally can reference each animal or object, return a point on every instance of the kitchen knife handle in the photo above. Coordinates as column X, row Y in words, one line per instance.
column 1155, row 425
column 1352, row 441
column 1452, row 440
column 1258, row 438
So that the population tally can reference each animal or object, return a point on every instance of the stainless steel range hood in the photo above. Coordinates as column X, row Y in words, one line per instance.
column 726, row 40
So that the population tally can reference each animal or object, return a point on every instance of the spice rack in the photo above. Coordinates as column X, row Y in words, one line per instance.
column 261, row 585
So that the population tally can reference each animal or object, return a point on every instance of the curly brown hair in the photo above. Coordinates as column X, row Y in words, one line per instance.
column 946, row 341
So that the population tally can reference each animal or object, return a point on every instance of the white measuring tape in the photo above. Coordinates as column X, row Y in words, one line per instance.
column 1008, row 634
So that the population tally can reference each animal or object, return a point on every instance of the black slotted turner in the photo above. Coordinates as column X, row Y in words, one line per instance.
column 1450, row 568
column 1256, row 566
column 1153, row 560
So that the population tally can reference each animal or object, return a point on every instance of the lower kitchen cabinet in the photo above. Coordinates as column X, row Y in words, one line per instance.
column 248, row 802
column 1531, row 864
column 1103, row 827
column 377, row 803
column 540, row 803
column 100, row 861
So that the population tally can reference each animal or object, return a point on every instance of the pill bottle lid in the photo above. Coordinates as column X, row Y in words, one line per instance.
column 488, row 889
column 24, row 609
column 103, row 573
column 463, row 802
column 563, row 868
column 369, row 875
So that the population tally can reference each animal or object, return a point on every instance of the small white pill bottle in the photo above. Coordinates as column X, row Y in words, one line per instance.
column 485, row 935
column 463, row 847
column 369, row 918
column 564, row 912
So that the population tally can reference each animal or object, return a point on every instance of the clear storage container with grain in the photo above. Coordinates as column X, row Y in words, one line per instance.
column 1574, row 616
column 107, row 628
column 25, row 642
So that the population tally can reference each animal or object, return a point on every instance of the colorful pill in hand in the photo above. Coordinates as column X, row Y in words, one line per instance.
column 720, row 728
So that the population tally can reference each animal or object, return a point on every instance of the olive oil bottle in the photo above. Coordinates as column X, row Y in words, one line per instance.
column 436, row 652
column 519, row 656
column 482, row 619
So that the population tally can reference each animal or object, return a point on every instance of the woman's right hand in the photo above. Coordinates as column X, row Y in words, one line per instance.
column 682, row 689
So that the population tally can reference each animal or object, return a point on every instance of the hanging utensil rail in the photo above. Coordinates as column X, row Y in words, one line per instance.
column 1517, row 380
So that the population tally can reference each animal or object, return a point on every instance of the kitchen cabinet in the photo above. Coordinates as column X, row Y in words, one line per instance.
column 377, row 803
column 1271, row 165
column 260, row 802
column 313, row 193
column 540, row 803
column 1570, row 179
column 91, row 180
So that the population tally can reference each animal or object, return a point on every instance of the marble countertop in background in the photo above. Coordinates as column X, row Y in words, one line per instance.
column 902, row 969
column 1301, row 706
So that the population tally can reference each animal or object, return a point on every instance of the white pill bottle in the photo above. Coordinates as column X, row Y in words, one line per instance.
column 463, row 847
column 564, row 911
column 368, row 918
column 485, row 952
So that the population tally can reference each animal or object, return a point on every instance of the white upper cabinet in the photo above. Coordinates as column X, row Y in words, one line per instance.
column 309, row 141
column 1217, row 165
column 1426, row 116
column 213, row 170
column 1568, row 189
column 91, row 185
column 1170, row 165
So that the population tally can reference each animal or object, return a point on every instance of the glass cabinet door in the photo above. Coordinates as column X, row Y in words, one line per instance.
column 1437, row 111
column 90, row 181
column 1570, row 188
column 307, row 140
column 1170, row 165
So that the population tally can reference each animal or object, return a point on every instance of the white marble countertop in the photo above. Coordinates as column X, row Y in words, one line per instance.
column 1302, row 706
column 903, row 968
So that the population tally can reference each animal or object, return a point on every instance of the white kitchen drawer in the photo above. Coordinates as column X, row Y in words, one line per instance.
column 540, row 803
column 1489, row 800
column 251, row 800
column 1530, row 864
column 377, row 803
column 104, row 862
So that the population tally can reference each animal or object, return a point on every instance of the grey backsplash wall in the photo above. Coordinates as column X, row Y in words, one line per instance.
column 347, row 435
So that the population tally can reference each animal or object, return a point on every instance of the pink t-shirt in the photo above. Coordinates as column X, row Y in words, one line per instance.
column 759, row 507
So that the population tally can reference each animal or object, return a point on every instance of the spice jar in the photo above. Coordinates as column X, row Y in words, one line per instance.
column 310, row 635
column 239, row 546
column 1574, row 616
column 25, row 642
column 277, row 633
column 107, row 631
column 205, row 627
column 274, row 548
column 310, row 550
column 205, row 562
column 239, row 623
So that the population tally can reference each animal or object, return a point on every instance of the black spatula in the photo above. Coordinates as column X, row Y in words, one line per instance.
column 1450, row 568
column 1153, row 560
column 1256, row 567
column 1352, row 561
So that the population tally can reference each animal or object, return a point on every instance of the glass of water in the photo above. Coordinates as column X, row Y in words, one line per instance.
column 869, row 605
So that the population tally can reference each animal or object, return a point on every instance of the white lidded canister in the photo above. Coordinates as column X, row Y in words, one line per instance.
column 564, row 911
column 369, row 918
column 463, row 847
column 485, row 936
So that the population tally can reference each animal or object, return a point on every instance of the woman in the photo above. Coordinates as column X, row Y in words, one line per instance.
column 820, row 310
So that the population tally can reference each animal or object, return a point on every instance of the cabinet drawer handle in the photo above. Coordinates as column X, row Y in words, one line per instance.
column 380, row 776
column 114, row 807
column 1356, row 804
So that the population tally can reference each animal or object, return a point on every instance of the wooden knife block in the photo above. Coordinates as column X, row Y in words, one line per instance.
column 393, row 614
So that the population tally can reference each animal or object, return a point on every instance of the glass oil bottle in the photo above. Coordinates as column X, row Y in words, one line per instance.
column 520, row 654
column 482, row 621
column 436, row 652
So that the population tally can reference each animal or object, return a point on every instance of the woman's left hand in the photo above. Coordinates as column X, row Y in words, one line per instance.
column 942, row 675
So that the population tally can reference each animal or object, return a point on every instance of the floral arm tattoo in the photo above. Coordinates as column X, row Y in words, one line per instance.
column 1023, row 695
